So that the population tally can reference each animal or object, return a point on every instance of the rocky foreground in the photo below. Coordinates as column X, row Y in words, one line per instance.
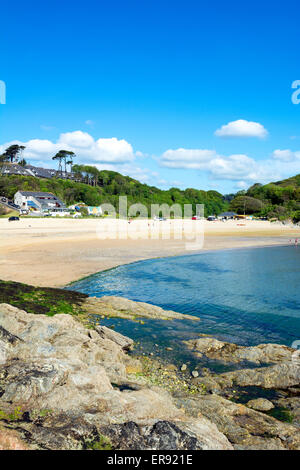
column 67, row 386
column 64, row 386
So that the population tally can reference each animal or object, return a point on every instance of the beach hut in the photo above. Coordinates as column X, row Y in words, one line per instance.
column 96, row 211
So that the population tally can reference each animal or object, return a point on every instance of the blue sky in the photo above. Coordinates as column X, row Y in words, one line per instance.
column 125, row 84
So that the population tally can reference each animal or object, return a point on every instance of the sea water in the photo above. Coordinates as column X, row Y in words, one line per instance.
column 246, row 296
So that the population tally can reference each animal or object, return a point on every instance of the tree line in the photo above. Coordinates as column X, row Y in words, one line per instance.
column 280, row 200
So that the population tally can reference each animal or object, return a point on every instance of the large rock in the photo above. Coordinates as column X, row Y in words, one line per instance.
column 284, row 376
column 279, row 376
column 75, row 432
column 245, row 428
column 162, row 435
column 260, row 404
column 280, row 368
column 124, row 308
column 230, row 352
column 123, row 341
column 55, row 366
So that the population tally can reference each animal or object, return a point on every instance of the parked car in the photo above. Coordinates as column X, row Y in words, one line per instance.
column 13, row 219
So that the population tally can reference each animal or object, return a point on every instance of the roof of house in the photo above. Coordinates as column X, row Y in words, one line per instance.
column 36, row 194
column 14, row 169
column 38, row 172
column 41, row 172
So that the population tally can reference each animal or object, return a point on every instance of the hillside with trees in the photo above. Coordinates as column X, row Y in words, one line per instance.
column 94, row 187
column 280, row 200
column 87, row 184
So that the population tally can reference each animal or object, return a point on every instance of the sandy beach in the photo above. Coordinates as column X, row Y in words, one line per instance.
column 55, row 252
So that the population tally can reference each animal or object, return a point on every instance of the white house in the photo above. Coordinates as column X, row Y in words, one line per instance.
column 38, row 201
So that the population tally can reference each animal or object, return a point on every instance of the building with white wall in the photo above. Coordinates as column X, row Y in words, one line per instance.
column 39, row 201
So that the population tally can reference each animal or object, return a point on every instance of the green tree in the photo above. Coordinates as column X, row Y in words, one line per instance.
column 64, row 157
column 13, row 153
column 246, row 205
column 296, row 217
column 23, row 162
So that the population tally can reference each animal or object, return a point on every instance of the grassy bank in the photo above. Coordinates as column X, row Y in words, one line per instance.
column 41, row 300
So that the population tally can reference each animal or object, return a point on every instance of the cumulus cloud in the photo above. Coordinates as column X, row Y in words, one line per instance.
column 239, row 167
column 194, row 159
column 36, row 149
column 242, row 128
column 286, row 155
column 119, row 155
column 233, row 167
column 86, row 148
column 76, row 139
column 104, row 153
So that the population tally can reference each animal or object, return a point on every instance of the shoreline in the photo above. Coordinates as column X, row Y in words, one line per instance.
column 57, row 253
column 204, row 251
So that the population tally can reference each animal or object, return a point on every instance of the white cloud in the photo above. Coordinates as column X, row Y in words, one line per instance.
column 76, row 139
column 114, row 150
column 242, row 185
column 286, row 155
column 106, row 154
column 194, row 159
column 240, row 168
column 233, row 167
column 87, row 149
column 119, row 155
column 36, row 149
column 242, row 128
